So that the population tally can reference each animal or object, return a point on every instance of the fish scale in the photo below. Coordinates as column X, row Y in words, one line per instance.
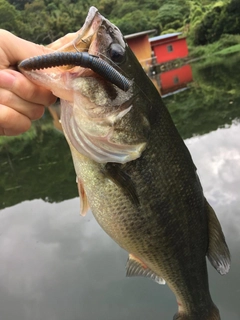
column 135, row 172
column 152, row 213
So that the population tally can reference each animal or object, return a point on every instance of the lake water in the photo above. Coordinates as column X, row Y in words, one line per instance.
column 57, row 265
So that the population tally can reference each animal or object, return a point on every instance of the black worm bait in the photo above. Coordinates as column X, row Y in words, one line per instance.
column 82, row 59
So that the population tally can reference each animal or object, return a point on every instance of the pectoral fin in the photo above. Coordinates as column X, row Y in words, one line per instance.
column 84, row 206
column 218, row 252
column 136, row 267
column 115, row 172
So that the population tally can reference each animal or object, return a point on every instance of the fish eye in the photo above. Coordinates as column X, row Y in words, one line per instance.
column 117, row 53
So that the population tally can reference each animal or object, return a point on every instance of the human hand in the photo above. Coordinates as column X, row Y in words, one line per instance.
column 21, row 101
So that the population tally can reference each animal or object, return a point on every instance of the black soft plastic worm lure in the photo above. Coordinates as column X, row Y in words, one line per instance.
column 82, row 59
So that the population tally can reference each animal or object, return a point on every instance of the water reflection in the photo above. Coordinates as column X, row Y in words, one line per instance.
column 175, row 79
column 58, row 265
column 33, row 168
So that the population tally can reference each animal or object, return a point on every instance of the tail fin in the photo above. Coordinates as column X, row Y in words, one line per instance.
column 212, row 314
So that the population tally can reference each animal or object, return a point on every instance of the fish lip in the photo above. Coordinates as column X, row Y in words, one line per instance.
column 80, row 40
column 84, row 39
column 89, row 19
column 92, row 23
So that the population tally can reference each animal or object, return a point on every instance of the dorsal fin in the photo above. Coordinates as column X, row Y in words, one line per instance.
column 218, row 253
column 84, row 206
column 136, row 267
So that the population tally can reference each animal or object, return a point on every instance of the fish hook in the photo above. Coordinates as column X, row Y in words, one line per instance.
column 82, row 59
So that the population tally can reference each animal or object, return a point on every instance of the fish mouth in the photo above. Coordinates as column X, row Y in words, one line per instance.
column 81, row 40
column 76, row 54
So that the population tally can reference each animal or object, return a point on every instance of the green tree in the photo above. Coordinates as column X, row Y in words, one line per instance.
column 19, row 4
column 221, row 19
column 10, row 18
column 171, row 11
column 107, row 6
column 133, row 22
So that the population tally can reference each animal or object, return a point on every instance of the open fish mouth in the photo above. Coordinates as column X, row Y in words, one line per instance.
column 75, row 54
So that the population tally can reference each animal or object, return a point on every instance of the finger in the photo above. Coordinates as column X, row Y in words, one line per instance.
column 23, row 88
column 12, row 122
column 31, row 110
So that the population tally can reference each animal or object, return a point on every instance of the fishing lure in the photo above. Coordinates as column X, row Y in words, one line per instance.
column 82, row 59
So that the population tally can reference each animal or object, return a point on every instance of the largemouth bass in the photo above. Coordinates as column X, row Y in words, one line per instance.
column 134, row 170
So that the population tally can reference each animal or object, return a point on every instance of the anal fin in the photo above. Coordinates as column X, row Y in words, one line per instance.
column 218, row 253
column 136, row 267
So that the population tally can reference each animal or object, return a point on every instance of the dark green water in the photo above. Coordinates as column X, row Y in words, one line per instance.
column 57, row 265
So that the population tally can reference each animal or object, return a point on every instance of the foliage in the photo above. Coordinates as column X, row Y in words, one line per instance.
column 141, row 22
column 10, row 18
column 222, row 19
column 43, row 21
column 172, row 11
column 227, row 41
